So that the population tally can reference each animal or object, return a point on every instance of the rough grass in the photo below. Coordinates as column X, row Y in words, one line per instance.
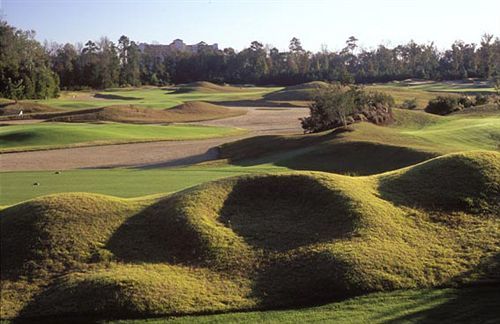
column 10, row 108
column 60, row 135
column 187, row 112
column 252, row 242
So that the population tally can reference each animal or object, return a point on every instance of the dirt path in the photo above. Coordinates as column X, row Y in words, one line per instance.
column 259, row 121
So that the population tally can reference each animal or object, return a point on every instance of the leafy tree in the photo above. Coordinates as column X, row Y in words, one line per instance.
column 332, row 106
column 24, row 66
column 15, row 89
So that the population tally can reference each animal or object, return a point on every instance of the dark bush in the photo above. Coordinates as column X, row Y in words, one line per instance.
column 481, row 99
column 465, row 101
column 409, row 104
column 443, row 105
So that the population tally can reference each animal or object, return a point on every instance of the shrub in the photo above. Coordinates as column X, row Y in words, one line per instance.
column 481, row 99
column 442, row 105
column 465, row 101
column 409, row 104
column 337, row 105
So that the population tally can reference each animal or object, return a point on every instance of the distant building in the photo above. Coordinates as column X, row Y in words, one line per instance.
column 177, row 45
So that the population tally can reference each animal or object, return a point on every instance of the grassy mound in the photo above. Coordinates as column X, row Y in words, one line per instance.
column 365, row 149
column 204, row 86
column 463, row 181
column 187, row 112
column 300, row 92
column 11, row 108
column 55, row 233
column 249, row 242
column 139, row 289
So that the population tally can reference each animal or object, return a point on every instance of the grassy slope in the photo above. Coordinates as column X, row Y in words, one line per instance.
column 370, row 149
column 402, row 93
column 300, row 92
column 468, row 305
column 423, row 92
column 246, row 242
column 187, row 112
column 57, row 135
column 12, row 108
column 367, row 150
column 158, row 98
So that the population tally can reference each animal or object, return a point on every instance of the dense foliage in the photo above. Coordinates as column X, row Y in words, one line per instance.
column 261, row 64
column 444, row 105
column 104, row 64
column 336, row 105
column 24, row 66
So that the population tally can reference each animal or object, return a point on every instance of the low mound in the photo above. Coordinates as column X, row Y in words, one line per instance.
column 245, row 242
column 204, row 86
column 132, row 290
column 463, row 181
column 55, row 233
column 187, row 112
column 300, row 92
column 356, row 158
column 9, row 109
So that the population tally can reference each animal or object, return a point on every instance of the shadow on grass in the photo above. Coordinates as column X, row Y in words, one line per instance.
column 115, row 97
column 327, row 153
column 478, row 303
column 155, row 235
column 356, row 158
column 277, row 213
column 18, row 137
column 466, row 305
column 256, row 103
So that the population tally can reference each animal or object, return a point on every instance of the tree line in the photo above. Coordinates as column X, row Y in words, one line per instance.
column 41, row 70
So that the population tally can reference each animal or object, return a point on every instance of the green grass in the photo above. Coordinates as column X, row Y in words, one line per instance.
column 300, row 92
column 169, row 97
column 423, row 92
column 158, row 98
column 368, row 149
column 187, row 112
column 127, row 183
column 461, row 133
column 457, row 87
column 467, row 305
column 58, row 135
column 266, row 241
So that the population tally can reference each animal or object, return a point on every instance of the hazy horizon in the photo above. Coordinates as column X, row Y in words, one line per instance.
column 237, row 23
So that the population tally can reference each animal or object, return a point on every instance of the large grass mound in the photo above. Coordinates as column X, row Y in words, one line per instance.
column 300, row 92
column 187, row 112
column 251, row 242
column 464, row 181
